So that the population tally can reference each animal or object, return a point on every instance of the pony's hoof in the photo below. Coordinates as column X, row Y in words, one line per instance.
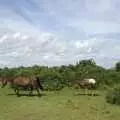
column 39, row 95
column 18, row 95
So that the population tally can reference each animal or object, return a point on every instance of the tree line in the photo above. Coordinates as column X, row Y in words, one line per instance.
column 55, row 78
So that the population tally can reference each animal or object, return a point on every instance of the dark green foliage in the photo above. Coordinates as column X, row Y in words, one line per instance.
column 55, row 78
column 52, row 79
column 84, row 63
column 113, row 96
column 117, row 66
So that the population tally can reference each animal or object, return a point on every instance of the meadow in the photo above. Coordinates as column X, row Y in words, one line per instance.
column 67, row 104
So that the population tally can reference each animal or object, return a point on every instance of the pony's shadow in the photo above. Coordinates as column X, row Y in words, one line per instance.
column 88, row 94
column 27, row 95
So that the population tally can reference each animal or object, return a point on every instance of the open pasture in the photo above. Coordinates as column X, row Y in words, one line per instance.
column 66, row 104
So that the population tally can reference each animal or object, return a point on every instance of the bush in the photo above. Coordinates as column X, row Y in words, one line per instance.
column 52, row 80
column 113, row 96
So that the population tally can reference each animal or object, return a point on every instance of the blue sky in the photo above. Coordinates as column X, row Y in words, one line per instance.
column 55, row 32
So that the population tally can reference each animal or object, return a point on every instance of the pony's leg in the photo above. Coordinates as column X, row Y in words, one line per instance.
column 85, row 91
column 38, row 91
column 88, row 91
column 92, row 92
column 31, row 91
column 14, row 88
column 17, row 92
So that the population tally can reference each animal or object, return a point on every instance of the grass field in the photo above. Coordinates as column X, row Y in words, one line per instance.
column 63, row 105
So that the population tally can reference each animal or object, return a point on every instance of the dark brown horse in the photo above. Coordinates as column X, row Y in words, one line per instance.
column 23, row 83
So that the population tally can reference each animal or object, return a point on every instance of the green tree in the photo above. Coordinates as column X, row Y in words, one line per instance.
column 117, row 66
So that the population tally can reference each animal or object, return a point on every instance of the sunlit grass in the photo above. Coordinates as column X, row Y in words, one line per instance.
column 67, row 104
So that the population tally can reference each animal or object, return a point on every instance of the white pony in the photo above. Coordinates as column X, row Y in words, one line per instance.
column 87, row 83
column 91, row 81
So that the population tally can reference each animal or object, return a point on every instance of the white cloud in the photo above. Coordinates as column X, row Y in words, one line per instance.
column 24, row 37
column 58, row 32
column 31, row 51
column 4, row 37
column 46, row 57
column 16, row 35
column 89, row 50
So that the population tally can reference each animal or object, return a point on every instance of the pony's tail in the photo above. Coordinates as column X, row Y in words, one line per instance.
column 4, row 83
column 38, row 82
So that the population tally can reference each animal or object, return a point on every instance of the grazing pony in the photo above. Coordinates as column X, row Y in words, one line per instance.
column 23, row 83
column 86, row 84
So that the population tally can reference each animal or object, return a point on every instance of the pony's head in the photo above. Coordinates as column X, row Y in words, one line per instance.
column 39, row 83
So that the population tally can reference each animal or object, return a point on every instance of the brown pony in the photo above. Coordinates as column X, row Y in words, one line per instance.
column 23, row 83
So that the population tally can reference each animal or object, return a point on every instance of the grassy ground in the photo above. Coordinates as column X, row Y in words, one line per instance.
column 63, row 105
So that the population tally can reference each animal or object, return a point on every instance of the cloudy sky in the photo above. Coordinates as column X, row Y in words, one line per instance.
column 55, row 32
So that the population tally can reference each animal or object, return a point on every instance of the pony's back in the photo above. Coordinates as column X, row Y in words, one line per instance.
column 21, row 80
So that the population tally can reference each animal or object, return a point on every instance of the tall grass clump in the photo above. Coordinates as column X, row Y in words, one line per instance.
column 113, row 96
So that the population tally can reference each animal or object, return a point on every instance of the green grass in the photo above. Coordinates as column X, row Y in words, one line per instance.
column 63, row 105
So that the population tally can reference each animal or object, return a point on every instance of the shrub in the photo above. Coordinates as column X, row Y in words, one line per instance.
column 113, row 96
column 51, row 85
